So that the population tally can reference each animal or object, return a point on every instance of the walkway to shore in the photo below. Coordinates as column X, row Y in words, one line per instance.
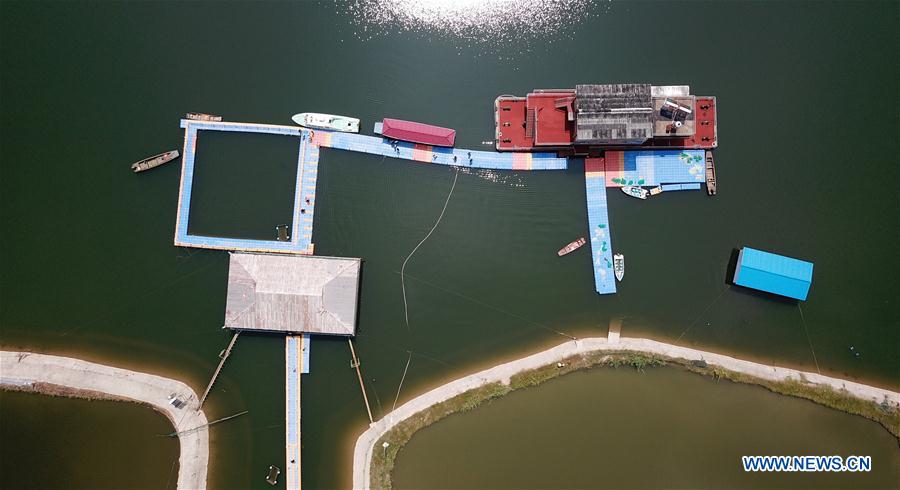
column 22, row 370
column 362, row 454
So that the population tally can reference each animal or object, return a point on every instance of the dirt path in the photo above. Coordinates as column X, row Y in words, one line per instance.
column 362, row 454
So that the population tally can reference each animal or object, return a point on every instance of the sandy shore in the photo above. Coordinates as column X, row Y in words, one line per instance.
column 362, row 454
column 24, row 370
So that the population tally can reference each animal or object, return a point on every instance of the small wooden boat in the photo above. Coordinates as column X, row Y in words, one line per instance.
column 635, row 191
column 619, row 266
column 656, row 190
column 272, row 477
column 154, row 161
column 710, row 174
column 283, row 233
column 572, row 247
column 199, row 116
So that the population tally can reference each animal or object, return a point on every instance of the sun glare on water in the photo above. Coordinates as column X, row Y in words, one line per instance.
column 499, row 24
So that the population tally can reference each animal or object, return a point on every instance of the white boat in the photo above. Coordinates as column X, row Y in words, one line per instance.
column 327, row 121
column 635, row 191
column 619, row 266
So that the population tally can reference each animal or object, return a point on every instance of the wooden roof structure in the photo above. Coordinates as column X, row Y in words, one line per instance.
column 292, row 293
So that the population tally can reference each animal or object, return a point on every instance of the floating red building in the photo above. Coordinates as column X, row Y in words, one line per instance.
column 590, row 118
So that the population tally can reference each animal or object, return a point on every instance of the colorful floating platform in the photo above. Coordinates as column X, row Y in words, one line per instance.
column 309, row 143
column 672, row 170
column 669, row 169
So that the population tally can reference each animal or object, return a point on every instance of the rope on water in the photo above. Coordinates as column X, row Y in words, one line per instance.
column 403, row 267
column 808, row 339
column 495, row 308
column 408, row 359
column 699, row 316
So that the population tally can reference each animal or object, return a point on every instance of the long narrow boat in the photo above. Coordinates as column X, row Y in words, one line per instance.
column 572, row 247
column 635, row 191
column 330, row 122
column 710, row 174
column 619, row 266
column 154, row 161
column 199, row 116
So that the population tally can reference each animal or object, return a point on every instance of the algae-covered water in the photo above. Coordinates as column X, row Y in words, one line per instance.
column 87, row 266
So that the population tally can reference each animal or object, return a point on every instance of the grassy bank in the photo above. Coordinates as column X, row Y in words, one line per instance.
column 383, row 457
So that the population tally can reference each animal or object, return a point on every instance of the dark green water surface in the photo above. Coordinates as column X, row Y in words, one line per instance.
column 806, row 168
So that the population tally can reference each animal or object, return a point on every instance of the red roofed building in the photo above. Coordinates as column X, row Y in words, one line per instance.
column 414, row 132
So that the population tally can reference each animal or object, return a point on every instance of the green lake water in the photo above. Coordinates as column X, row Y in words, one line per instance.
column 84, row 444
column 619, row 428
column 807, row 133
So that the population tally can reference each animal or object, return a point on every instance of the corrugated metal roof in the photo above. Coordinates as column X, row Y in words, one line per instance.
column 610, row 113
column 289, row 293
column 773, row 273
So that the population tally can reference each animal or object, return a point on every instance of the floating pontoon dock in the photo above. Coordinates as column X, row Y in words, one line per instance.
column 598, row 222
column 460, row 157
column 671, row 170
column 307, row 172
column 296, row 355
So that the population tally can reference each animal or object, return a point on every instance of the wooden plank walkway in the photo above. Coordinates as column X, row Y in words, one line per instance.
column 215, row 375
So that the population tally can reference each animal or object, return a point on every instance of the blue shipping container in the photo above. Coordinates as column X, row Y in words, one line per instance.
column 773, row 273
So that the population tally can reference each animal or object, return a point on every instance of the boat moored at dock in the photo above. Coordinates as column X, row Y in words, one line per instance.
column 154, row 161
column 619, row 266
column 710, row 174
column 330, row 122
column 199, row 116
column 572, row 247
column 635, row 191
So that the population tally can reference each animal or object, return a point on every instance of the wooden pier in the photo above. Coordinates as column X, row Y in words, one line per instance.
column 355, row 364
column 224, row 355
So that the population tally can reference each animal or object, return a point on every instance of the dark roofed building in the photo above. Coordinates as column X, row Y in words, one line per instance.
column 620, row 113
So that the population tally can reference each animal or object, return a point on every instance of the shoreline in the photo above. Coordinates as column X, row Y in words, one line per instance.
column 66, row 376
column 536, row 368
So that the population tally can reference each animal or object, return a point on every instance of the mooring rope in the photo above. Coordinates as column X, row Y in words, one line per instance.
column 808, row 339
column 408, row 359
column 700, row 316
column 403, row 267
column 495, row 308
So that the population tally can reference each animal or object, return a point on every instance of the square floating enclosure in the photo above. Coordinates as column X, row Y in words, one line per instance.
column 304, row 191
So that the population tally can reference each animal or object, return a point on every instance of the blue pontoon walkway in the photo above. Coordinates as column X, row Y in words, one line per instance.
column 310, row 142
column 671, row 170
column 598, row 224
column 296, row 354
column 304, row 192
column 438, row 155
